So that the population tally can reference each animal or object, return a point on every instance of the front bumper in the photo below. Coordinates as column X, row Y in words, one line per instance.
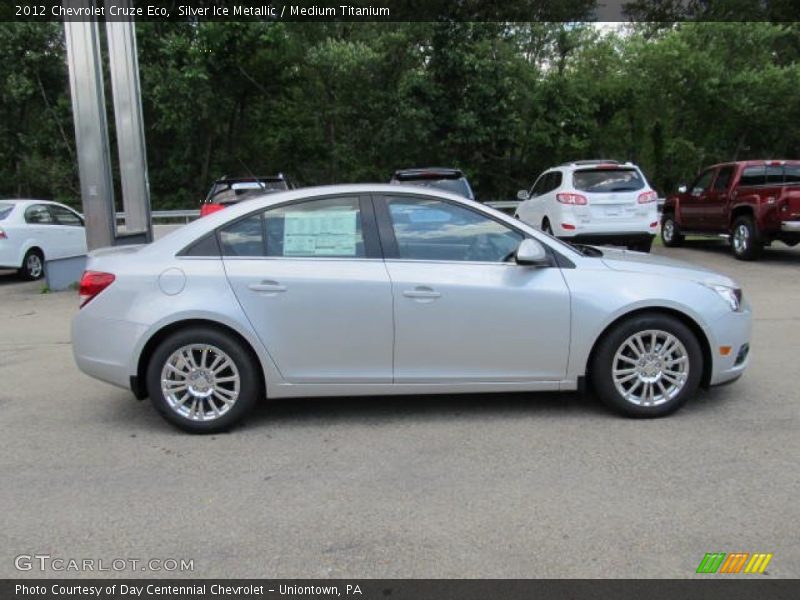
column 732, row 330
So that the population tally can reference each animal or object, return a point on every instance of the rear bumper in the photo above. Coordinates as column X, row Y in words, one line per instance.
column 103, row 347
column 790, row 227
column 614, row 239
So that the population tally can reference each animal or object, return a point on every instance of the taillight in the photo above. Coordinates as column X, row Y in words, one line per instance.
column 565, row 198
column 3, row 235
column 567, row 226
column 647, row 197
column 92, row 283
column 207, row 209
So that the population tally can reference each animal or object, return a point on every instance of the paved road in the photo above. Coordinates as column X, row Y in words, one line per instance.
column 459, row 486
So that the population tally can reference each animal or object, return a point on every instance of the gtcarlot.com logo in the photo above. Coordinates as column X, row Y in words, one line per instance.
column 46, row 562
column 735, row 562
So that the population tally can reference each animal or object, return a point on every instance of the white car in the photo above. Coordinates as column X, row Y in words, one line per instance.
column 595, row 202
column 388, row 289
column 32, row 231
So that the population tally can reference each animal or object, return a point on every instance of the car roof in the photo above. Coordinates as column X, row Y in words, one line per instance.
column 428, row 172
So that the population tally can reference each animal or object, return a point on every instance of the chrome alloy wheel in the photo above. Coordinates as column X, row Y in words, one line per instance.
column 650, row 368
column 741, row 239
column 200, row 382
column 668, row 232
column 34, row 265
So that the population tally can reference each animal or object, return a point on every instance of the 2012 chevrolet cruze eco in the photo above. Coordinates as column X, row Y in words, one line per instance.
column 384, row 289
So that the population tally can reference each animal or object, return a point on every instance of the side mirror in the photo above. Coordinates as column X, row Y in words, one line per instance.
column 682, row 189
column 522, row 195
column 531, row 253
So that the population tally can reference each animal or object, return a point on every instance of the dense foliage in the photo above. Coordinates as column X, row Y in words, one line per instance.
column 342, row 102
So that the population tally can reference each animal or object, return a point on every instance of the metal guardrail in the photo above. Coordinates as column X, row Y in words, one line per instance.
column 190, row 214
column 160, row 215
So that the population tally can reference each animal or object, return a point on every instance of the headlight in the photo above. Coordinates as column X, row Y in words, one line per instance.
column 731, row 295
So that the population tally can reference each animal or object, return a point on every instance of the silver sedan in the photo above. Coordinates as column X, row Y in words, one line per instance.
column 378, row 289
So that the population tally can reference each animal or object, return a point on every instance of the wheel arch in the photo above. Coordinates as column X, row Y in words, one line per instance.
column 27, row 248
column 138, row 382
column 742, row 210
column 687, row 320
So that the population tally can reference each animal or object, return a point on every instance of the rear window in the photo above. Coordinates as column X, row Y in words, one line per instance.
column 607, row 180
column 792, row 174
column 226, row 193
column 5, row 209
column 454, row 186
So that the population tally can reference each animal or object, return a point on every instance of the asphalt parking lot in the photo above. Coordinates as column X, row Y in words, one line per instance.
column 495, row 486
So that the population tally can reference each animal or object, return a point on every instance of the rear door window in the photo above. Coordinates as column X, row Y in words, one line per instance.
column 607, row 180
column 324, row 228
column 5, row 209
column 753, row 176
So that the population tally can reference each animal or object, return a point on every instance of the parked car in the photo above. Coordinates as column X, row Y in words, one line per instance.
column 754, row 203
column 382, row 289
column 230, row 190
column 32, row 231
column 595, row 202
column 449, row 180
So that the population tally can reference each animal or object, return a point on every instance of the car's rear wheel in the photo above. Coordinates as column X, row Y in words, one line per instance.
column 32, row 265
column 647, row 366
column 203, row 380
column 670, row 232
column 745, row 241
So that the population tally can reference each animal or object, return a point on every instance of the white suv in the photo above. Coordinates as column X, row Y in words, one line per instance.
column 593, row 201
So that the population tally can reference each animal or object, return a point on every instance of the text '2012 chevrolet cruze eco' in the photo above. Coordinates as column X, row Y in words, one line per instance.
column 385, row 289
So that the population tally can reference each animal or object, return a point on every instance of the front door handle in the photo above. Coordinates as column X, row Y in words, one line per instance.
column 270, row 287
column 422, row 292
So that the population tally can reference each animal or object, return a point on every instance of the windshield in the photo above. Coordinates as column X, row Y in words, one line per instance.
column 607, row 180
column 5, row 209
column 454, row 186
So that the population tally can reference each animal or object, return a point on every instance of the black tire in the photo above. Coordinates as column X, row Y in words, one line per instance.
column 615, row 340
column 670, row 232
column 642, row 246
column 746, row 244
column 546, row 227
column 32, row 265
column 249, row 373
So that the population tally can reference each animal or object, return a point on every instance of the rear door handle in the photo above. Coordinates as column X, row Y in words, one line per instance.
column 422, row 292
column 271, row 287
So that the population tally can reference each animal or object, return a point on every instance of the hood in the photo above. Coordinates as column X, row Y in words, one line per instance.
column 640, row 262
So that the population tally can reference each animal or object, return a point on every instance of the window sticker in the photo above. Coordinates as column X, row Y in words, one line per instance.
column 320, row 233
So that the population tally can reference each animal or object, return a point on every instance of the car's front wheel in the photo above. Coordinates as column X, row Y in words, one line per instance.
column 32, row 265
column 203, row 380
column 647, row 366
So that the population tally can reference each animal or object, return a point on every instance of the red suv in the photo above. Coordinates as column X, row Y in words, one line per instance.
column 752, row 202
